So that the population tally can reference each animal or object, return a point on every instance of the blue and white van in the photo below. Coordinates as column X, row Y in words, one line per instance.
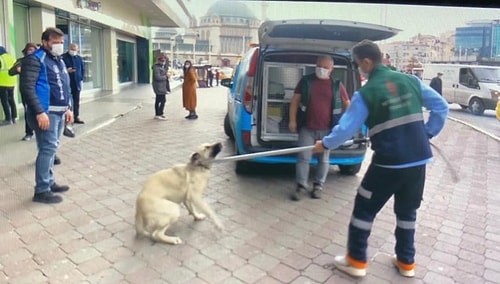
column 265, row 79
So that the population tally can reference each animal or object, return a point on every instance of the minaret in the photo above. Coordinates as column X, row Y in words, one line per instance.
column 264, row 7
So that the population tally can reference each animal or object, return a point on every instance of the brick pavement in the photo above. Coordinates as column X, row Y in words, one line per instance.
column 89, row 238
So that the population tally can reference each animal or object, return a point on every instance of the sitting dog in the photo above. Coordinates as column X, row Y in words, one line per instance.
column 157, row 206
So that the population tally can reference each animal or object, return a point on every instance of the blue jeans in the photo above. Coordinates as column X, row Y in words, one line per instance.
column 308, row 137
column 47, row 142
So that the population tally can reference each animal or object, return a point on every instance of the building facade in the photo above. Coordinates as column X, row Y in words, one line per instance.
column 479, row 38
column 218, row 38
column 114, row 36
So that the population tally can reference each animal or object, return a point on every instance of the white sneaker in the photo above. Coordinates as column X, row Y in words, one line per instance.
column 343, row 265
column 160, row 117
column 406, row 270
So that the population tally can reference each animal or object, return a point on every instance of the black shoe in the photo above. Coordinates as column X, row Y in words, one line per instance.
column 298, row 193
column 68, row 131
column 316, row 192
column 59, row 188
column 27, row 137
column 57, row 161
column 78, row 121
column 194, row 116
column 47, row 197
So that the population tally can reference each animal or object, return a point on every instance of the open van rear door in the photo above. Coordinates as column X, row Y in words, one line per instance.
column 320, row 35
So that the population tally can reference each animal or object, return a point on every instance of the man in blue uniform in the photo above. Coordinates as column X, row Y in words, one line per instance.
column 45, row 86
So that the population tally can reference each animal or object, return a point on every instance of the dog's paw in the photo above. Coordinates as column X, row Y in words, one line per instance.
column 177, row 241
column 200, row 217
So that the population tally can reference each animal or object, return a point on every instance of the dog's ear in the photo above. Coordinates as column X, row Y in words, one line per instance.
column 195, row 158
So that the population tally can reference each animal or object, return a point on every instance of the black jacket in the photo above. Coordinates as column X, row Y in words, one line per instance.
column 437, row 84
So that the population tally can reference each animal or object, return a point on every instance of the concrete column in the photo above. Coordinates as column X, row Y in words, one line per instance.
column 110, row 67
column 40, row 19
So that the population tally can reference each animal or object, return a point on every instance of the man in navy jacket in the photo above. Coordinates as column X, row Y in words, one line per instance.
column 74, row 63
column 44, row 85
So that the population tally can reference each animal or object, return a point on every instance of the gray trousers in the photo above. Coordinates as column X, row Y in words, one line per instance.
column 308, row 137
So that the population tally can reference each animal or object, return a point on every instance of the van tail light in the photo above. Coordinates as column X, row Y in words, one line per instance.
column 245, row 135
column 248, row 96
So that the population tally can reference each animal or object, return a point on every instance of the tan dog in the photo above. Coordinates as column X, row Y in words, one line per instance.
column 157, row 206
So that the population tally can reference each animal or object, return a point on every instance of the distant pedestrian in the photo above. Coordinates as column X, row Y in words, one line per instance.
column 74, row 63
column 437, row 83
column 29, row 48
column 160, row 86
column 217, row 76
column 189, row 90
column 210, row 78
column 390, row 105
column 45, row 85
column 7, row 84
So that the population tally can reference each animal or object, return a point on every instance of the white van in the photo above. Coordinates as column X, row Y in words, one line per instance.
column 471, row 86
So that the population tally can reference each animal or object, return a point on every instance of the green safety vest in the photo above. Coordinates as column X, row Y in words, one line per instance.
column 305, row 95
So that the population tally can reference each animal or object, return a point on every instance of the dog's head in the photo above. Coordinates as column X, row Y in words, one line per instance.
column 205, row 155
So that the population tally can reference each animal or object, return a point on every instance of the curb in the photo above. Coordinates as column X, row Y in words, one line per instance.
column 491, row 135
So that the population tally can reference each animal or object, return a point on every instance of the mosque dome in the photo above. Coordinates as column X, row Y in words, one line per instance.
column 230, row 8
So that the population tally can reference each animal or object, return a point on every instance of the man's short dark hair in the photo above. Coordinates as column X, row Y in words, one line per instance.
column 367, row 49
column 51, row 32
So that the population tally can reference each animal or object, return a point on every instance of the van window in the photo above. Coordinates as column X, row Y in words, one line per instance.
column 467, row 78
column 487, row 75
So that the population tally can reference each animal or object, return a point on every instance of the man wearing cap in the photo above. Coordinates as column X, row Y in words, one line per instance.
column 29, row 48
column 437, row 83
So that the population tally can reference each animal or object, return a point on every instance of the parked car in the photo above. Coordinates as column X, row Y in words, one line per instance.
column 265, row 79
column 226, row 73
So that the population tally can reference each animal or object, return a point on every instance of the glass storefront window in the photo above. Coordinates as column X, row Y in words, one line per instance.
column 89, row 39
column 125, row 61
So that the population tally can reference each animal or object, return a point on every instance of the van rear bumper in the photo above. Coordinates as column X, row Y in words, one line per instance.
column 337, row 157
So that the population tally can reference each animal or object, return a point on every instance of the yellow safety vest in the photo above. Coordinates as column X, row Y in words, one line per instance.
column 6, row 61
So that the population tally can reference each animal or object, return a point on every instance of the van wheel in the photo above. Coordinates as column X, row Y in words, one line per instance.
column 243, row 167
column 227, row 127
column 476, row 106
column 349, row 170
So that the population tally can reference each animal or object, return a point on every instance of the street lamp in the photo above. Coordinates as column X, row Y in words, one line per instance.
column 194, row 47
column 172, row 41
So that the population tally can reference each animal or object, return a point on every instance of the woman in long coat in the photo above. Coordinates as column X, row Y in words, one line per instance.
column 161, row 86
column 189, row 90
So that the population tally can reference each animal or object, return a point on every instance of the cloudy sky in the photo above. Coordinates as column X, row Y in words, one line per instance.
column 410, row 19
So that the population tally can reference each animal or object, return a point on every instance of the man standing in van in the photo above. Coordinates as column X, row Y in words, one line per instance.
column 320, row 101
column 437, row 83
column 390, row 104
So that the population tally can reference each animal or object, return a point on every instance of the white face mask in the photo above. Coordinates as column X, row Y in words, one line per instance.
column 322, row 73
column 362, row 73
column 57, row 49
column 73, row 52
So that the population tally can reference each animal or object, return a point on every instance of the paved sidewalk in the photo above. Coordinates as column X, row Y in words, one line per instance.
column 90, row 237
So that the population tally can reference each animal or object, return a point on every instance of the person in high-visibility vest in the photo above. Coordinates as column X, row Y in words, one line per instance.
column 7, row 84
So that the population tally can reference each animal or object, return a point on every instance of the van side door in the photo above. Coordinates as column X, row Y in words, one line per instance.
column 467, row 85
